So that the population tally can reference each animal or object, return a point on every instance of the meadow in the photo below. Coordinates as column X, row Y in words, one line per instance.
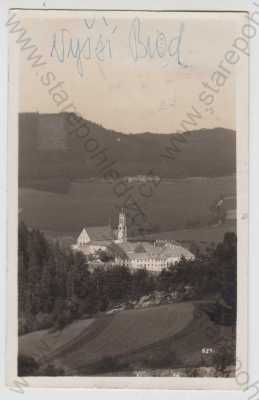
column 171, row 335
column 174, row 205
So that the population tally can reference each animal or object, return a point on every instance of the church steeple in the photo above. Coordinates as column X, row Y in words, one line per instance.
column 122, row 227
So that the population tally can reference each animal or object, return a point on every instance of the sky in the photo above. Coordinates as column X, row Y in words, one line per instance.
column 129, row 71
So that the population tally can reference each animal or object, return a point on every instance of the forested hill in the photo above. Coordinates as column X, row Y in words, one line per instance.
column 49, row 150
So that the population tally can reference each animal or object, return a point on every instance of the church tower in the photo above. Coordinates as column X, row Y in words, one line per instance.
column 122, row 227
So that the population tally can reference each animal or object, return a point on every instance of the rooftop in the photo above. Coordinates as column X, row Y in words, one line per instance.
column 97, row 233
column 144, row 250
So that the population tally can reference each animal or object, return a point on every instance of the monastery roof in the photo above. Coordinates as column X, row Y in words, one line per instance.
column 99, row 233
column 99, row 243
column 177, row 251
column 144, row 250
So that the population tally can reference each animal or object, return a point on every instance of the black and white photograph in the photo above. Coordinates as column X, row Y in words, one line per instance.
column 131, row 210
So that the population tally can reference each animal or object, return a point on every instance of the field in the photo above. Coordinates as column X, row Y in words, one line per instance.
column 174, row 205
column 148, row 337
column 35, row 343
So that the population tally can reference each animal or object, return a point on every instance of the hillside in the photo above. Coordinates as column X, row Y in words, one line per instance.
column 167, row 336
column 52, row 156
column 179, row 204
column 119, row 315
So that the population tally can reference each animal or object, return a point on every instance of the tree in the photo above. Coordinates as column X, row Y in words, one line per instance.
column 142, row 283
column 226, row 256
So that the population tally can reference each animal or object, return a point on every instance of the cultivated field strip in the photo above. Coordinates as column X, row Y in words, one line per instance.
column 127, row 331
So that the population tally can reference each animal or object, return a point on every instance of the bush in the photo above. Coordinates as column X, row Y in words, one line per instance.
column 224, row 357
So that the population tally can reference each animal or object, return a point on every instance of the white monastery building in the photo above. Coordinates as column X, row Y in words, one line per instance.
column 93, row 239
column 135, row 255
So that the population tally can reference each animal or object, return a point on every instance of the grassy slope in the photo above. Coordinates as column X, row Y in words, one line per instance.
column 88, row 341
column 171, row 206
column 184, row 348
column 46, row 342
column 130, row 331
column 168, row 336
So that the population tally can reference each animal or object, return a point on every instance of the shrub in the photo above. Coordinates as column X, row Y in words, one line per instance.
column 224, row 357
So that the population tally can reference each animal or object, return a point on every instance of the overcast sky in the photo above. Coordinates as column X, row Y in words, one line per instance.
column 120, row 83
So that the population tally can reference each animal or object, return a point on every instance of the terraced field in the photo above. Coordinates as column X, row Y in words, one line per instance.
column 110, row 335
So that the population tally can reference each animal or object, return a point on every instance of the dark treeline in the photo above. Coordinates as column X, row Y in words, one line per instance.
column 57, row 286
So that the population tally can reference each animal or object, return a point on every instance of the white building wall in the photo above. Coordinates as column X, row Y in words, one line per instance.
column 88, row 249
column 83, row 238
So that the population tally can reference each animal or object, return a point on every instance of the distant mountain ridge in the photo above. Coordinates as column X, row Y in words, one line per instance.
column 50, row 151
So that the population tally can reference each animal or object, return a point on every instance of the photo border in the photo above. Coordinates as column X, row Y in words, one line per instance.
column 242, row 229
